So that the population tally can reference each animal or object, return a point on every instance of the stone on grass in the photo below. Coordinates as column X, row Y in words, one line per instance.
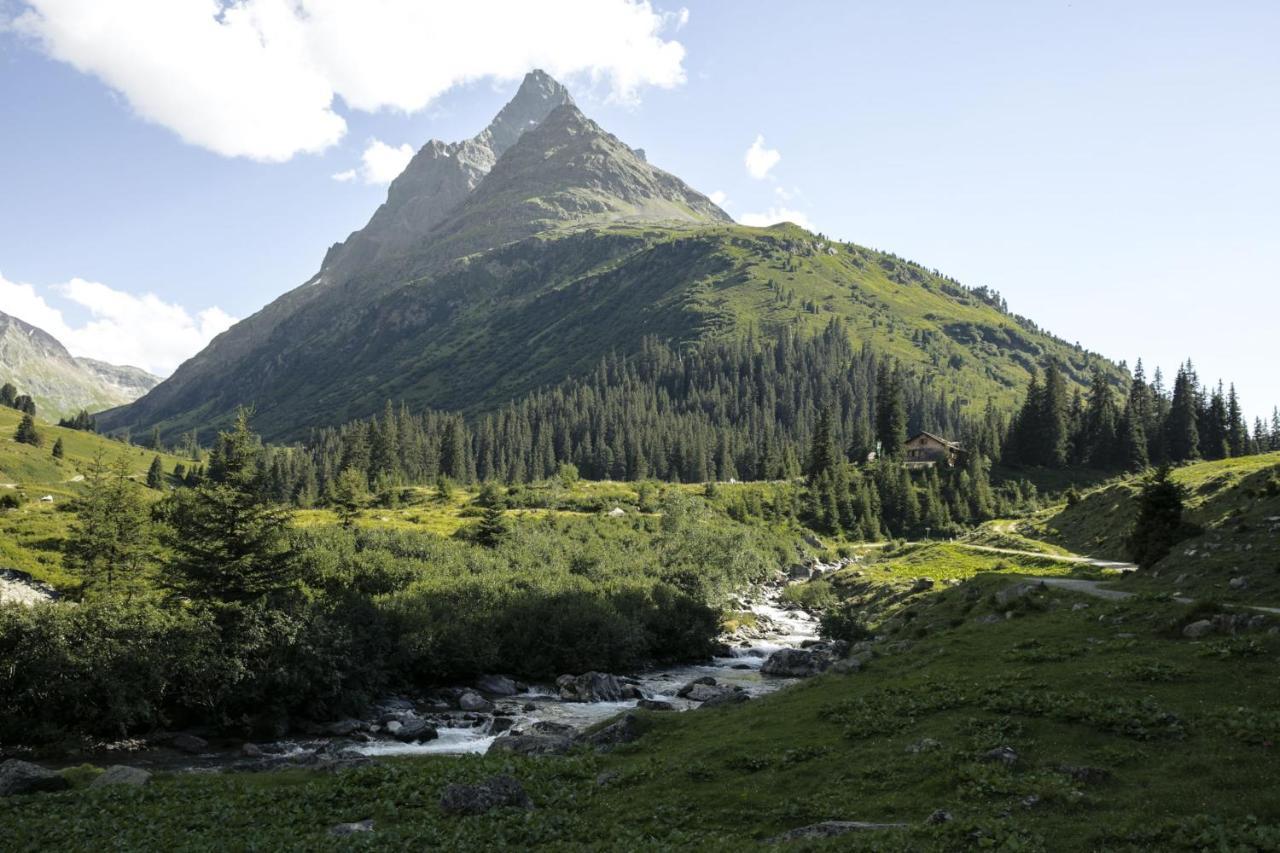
column 1005, row 755
column 625, row 729
column 1198, row 629
column 23, row 777
column 532, row 744
column 352, row 828
column 496, row 792
column 121, row 774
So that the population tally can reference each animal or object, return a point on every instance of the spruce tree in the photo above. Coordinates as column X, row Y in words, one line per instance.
column 155, row 474
column 349, row 495
column 27, row 432
column 1158, row 526
column 8, row 394
column 1182, row 435
column 57, row 448
column 821, row 455
column 110, row 541
column 891, row 414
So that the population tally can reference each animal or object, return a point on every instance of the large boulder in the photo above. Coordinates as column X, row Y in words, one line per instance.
column 532, row 744
column 497, row 792
column 472, row 701
column 23, row 777
column 655, row 705
column 189, row 743
column 1198, row 629
column 497, row 685
column 121, row 774
column 703, row 681
column 796, row 663
column 591, row 687
column 1010, row 594
column 726, row 696
column 412, row 729
column 625, row 729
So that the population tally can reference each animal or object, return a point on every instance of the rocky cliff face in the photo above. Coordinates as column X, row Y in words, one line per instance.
column 61, row 384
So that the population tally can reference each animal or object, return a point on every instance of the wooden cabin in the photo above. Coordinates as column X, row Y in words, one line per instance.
column 925, row 450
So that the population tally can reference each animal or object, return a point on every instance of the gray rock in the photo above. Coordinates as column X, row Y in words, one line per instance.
column 655, row 705
column 344, row 728
column 251, row 750
column 497, row 792
column 795, row 663
column 23, row 777
column 922, row 584
column 472, row 701
column 189, row 743
column 925, row 744
column 1010, row 594
column 501, row 724
column 1198, row 629
column 590, row 687
column 832, row 829
column 413, row 729
column 1238, row 583
column 1005, row 755
column 625, row 729
column 938, row 816
column 497, row 685
column 546, row 727
column 120, row 774
column 532, row 744
column 352, row 828
column 727, row 696
column 684, row 691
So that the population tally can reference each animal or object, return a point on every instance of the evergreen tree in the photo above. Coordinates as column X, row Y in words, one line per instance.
column 57, row 448
column 1158, row 526
column 109, row 544
column 492, row 529
column 229, row 543
column 349, row 495
column 891, row 414
column 24, row 403
column 1237, row 429
column 27, row 432
column 1182, row 435
column 821, row 456
column 8, row 395
column 155, row 474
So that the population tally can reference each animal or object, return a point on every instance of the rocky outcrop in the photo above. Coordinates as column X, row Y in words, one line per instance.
column 625, row 729
column 796, row 663
column 593, row 687
column 497, row 792
column 23, row 777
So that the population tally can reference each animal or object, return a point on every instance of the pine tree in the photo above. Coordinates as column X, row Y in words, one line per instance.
column 821, row 455
column 155, row 474
column 109, row 544
column 492, row 529
column 229, row 543
column 1182, row 435
column 349, row 495
column 27, row 432
column 57, row 448
column 8, row 394
column 891, row 414
column 1158, row 526
column 1237, row 429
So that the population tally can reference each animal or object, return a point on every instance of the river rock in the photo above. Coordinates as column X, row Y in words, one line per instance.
column 189, row 743
column 688, row 688
column 655, row 705
column 472, row 701
column 501, row 724
column 625, row 729
column 344, row 728
column 497, row 792
column 411, row 729
column 121, row 774
column 532, row 744
column 497, row 685
column 795, row 663
column 832, row 829
column 726, row 696
column 590, row 687
column 23, row 777
column 547, row 727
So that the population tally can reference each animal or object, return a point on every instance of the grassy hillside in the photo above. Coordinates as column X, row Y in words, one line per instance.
column 496, row 325
column 1234, row 502
column 30, row 536
column 1125, row 737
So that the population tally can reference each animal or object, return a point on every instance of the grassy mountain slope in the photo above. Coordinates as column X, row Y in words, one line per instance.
column 499, row 324
column 1234, row 502
column 31, row 536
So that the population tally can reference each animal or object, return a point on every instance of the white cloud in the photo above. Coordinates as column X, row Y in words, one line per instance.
column 258, row 78
column 774, row 215
column 123, row 328
column 344, row 177
column 719, row 198
column 382, row 163
column 759, row 159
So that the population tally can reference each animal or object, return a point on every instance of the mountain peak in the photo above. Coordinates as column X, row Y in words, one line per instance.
column 537, row 96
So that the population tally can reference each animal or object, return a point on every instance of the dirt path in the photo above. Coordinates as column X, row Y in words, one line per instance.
column 1097, row 590
column 1061, row 558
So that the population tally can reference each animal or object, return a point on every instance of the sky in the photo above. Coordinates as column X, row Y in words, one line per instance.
column 1113, row 169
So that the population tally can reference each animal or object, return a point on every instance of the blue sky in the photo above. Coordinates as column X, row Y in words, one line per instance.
column 1112, row 168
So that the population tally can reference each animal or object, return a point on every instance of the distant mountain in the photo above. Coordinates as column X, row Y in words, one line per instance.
column 61, row 384
column 522, row 256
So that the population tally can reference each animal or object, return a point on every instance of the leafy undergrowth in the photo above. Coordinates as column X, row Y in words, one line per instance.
column 1127, row 737
column 1235, row 503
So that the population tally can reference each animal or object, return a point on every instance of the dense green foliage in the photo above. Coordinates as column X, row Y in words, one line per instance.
column 1159, row 525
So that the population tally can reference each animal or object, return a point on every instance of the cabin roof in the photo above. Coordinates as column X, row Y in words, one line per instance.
column 943, row 441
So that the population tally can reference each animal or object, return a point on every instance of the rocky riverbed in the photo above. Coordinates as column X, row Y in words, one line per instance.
column 497, row 712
